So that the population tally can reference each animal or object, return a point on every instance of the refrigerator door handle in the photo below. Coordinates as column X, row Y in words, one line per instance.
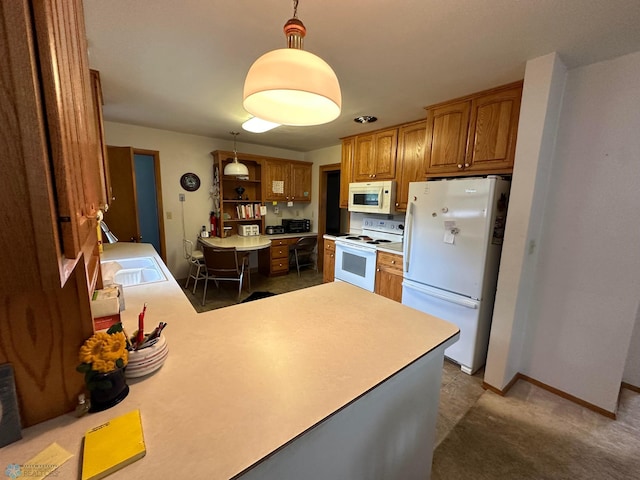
column 447, row 297
column 407, row 234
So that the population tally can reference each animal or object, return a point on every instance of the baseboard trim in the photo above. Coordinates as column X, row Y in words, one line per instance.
column 628, row 386
column 506, row 388
column 555, row 391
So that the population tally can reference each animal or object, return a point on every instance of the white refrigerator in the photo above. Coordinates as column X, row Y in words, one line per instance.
column 452, row 244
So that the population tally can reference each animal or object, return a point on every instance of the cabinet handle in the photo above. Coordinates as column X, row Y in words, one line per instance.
column 459, row 165
column 377, row 269
column 466, row 164
column 393, row 262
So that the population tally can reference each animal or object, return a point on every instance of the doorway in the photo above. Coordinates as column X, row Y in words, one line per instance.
column 135, row 214
column 331, row 218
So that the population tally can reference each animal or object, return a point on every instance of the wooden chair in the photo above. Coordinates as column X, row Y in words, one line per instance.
column 222, row 264
column 196, row 262
column 303, row 253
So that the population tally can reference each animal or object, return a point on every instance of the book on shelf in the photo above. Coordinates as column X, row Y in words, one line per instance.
column 248, row 211
column 112, row 446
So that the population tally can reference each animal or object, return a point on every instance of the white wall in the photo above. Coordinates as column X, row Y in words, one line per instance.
column 632, row 368
column 539, row 113
column 588, row 283
column 181, row 153
column 585, row 293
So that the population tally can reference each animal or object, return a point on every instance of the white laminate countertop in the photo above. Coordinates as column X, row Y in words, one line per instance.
column 240, row 382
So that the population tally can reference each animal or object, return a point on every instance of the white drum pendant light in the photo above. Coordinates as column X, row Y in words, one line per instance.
column 235, row 168
column 290, row 86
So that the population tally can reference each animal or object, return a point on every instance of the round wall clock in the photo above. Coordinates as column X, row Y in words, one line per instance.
column 190, row 182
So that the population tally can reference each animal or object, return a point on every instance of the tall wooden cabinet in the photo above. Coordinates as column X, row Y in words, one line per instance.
column 50, row 192
column 475, row 135
column 346, row 169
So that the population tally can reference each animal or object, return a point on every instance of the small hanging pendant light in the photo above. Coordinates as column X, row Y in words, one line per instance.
column 290, row 86
column 235, row 168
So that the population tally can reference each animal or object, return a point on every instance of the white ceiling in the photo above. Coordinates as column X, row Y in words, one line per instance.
column 180, row 65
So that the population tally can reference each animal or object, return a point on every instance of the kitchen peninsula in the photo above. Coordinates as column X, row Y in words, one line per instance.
column 325, row 382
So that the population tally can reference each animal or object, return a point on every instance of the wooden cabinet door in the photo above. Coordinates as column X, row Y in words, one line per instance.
column 447, row 128
column 493, row 130
column 300, row 184
column 411, row 163
column 386, row 144
column 346, row 170
column 329, row 261
column 375, row 156
column 96, row 95
column 275, row 172
column 363, row 159
column 389, row 276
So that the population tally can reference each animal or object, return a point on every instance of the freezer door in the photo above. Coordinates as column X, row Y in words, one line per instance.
column 448, row 232
column 461, row 311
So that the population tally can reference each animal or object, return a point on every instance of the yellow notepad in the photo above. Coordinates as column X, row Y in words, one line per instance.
column 112, row 446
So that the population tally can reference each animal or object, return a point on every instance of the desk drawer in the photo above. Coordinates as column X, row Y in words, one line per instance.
column 279, row 265
column 279, row 252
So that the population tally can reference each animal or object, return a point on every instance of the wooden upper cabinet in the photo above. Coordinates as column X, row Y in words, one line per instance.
column 287, row 181
column 375, row 156
column 447, row 128
column 103, row 158
column 300, row 186
column 48, row 105
column 346, row 170
column 276, row 177
column 411, row 159
column 474, row 135
column 494, row 127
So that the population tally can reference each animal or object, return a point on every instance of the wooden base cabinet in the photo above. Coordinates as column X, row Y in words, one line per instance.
column 389, row 276
column 474, row 135
column 329, row 261
column 274, row 261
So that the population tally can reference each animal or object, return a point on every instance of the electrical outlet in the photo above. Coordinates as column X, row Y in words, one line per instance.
column 181, row 197
column 169, row 215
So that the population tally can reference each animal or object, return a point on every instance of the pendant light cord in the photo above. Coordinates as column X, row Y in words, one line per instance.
column 295, row 8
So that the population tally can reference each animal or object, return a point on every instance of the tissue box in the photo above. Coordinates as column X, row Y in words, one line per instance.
column 106, row 305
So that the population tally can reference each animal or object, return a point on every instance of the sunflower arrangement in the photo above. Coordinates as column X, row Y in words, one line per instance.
column 103, row 352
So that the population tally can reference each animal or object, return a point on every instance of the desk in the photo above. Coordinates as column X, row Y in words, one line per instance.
column 242, row 244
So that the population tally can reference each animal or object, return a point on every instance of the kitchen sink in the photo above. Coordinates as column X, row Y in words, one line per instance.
column 133, row 271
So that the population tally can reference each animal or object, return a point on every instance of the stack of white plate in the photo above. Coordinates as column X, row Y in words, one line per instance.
column 147, row 360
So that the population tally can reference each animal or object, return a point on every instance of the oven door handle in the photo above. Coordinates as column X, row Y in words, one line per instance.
column 355, row 248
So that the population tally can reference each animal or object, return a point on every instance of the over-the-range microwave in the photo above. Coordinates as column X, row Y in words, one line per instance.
column 373, row 197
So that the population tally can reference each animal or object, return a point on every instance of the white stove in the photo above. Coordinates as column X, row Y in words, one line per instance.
column 356, row 253
column 375, row 232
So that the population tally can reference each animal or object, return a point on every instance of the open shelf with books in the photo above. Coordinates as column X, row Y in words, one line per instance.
column 237, row 200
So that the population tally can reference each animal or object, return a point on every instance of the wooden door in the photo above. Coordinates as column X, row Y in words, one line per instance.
column 411, row 163
column 122, row 216
column 493, row 130
column 300, row 184
column 447, row 128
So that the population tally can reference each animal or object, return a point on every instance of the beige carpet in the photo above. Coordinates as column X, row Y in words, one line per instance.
column 532, row 434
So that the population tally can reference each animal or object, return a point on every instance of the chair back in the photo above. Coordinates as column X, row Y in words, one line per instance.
column 187, row 246
column 306, row 244
column 222, row 262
